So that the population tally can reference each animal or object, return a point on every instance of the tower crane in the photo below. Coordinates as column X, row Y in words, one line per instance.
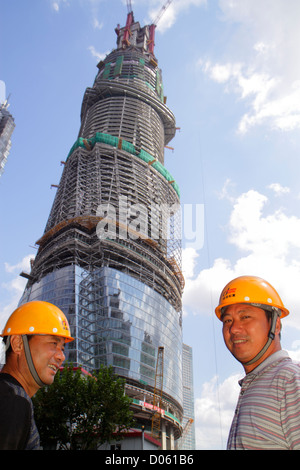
column 130, row 21
column 154, row 24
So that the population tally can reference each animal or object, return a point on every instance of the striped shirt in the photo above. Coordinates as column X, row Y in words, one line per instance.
column 267, row 416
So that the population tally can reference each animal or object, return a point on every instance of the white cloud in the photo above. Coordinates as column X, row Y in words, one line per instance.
column 202, row 292
column 56, row 4
column 214, row 411
column 189, row 258
column 294, row 353
column 171, row 12
column 95, row 53
column 23, row 265
column 265, row 33
column 97, row 24
column 278, row 189
column 271, row 236
column 268, row 244
column 13, row 287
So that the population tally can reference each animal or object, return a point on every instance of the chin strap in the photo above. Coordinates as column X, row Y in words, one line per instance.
column 30, row 362
column 275, row 314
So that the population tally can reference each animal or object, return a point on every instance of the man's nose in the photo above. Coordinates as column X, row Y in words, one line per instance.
column 60, row 355
column 235, row 326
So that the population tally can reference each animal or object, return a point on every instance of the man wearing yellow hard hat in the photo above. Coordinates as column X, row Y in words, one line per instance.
column 34, row 335
column 267, row 416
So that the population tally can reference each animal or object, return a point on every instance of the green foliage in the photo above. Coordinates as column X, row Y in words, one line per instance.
column 80, row 411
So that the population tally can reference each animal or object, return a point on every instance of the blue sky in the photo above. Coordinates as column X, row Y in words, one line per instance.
column 231, row 76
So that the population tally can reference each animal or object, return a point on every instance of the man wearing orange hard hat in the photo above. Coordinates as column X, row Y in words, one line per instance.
column 267, row 416
column 34, row 335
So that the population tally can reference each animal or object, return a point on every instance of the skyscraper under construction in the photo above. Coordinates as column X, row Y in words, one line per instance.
column 7, row 125
column 110, row 255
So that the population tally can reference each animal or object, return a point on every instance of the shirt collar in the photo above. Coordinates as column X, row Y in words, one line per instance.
column 277, row 356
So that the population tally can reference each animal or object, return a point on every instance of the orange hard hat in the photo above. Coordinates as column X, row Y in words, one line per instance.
column 38, row 318
column 250, row 290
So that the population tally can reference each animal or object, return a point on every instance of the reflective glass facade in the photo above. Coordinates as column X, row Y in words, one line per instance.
column 117, row 320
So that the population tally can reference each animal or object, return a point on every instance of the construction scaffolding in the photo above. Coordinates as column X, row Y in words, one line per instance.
column 148, row 245
column 117, row 163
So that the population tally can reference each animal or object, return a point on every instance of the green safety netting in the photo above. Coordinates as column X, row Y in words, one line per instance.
column 127, row 147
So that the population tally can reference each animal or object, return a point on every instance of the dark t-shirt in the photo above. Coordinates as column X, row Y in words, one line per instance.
column 18, row 430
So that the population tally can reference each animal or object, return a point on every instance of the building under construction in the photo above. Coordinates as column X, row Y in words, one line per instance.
column 110, row 255
column 7, row 125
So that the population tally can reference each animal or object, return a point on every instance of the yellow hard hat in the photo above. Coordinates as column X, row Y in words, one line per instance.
column 38, row 318
column 250, row 290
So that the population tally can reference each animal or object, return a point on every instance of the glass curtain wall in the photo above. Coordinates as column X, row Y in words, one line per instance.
column 117, row 320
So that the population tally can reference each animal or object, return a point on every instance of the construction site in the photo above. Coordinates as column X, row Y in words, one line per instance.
column 110, row 255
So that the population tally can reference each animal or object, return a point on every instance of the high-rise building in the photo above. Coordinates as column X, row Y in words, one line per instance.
column 7, row 125
column 110, row 255
column 188, row 438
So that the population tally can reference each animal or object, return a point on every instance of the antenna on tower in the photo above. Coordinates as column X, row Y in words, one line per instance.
column 154, row 24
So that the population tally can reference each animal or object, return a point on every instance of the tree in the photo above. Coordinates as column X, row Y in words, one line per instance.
column 79, row 411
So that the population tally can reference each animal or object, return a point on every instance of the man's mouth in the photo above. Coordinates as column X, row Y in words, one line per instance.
column 238, row 341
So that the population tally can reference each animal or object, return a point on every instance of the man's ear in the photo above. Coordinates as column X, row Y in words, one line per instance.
column 278, row 326
column 16, row 343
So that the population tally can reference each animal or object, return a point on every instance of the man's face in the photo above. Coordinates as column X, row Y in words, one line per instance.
column 48, row 355
column 245, row 331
